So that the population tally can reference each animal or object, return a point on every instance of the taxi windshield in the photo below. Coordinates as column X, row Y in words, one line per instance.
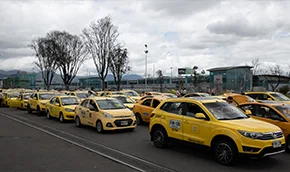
column 284, row 109
column 280, row 97
column 117, row 93
column 82, row 95
column 224, row 111
column 13, row 95
column 45, row 96
column 124, row 99
column 69, row 101
column 131, row 93
column 110, row 104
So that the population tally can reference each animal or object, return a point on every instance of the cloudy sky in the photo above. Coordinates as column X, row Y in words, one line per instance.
column 179, row 33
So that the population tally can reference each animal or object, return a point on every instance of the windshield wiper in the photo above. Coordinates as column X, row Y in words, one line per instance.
column 240, row 117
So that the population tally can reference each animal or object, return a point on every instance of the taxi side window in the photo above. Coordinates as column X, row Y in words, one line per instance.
column 57, row 100
column 249, row 107
column 147, row 102
column 190, row 109
column 85, row 103
column 155, row 103
column 171, row 107
column 52, row 100
column 92, row 105
column 35, row 96
column 270, row 113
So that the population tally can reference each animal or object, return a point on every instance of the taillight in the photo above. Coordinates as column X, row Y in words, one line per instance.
column 152, row 114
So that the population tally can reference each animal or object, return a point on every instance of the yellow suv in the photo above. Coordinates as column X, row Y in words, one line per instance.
column 37, row 102
column 216, row 124
column 104, row 113
column 143, row 108
column 62, row 107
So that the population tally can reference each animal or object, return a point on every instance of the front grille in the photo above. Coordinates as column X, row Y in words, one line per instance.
column 128, row 116
column 119, row 122
column 271, row 136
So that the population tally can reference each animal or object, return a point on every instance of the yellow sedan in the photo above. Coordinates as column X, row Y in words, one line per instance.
column 21, row 102
column 62, row 107
column 104, row 113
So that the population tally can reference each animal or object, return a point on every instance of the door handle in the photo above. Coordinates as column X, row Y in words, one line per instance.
column 186, row 122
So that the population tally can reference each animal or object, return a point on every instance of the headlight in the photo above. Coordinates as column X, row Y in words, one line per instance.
column 108, row 115
column 68, row 110
column 132, row 115
column 252, row 135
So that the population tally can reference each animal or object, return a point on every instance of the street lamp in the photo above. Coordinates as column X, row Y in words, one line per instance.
column 171, row 71
column 146, row 52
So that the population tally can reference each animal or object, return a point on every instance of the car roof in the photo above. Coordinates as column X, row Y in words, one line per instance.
column 261, row 92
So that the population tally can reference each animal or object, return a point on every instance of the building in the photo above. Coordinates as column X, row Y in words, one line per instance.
column 90, row 83
column 234, row 78
column 269, row 82
column 1, row 83
column 20, row 80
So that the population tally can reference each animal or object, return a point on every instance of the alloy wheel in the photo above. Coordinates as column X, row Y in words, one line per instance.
column 224, row 153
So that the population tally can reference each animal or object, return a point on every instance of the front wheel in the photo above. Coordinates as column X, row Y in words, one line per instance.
column 29, row 110
column 160, row 138
column 48, row 114
column 78, row 122
column 225, row 152
column 61, row 118
column 139, row 120
column 99, row 127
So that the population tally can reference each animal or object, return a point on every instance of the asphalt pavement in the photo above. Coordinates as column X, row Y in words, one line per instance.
column 178, row 157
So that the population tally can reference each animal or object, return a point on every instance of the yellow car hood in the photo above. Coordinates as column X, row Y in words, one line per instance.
column 44, row 101
column 72, row 107
column 251, row 125
column 129, row 105
column 119, row 112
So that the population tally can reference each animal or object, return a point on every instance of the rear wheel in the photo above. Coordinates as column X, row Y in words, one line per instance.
column 225, row 152
column 159, row 137
column 139, row 120
column 78, row 122
column 99, row 127
column 29, row 110
column 38, row 112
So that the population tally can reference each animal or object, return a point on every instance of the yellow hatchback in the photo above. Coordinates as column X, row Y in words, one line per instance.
column 215, row 124
column 104, row 113
column 62, row 107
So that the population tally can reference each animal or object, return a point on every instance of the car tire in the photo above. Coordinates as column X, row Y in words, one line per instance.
column 38, row 112
column 99, row 127
column 288, row 144
column 48, row 116
column 160, row 137
column 225, row 152
column 61, row 118
column 78, row 122
column 139, row 120
column 29, row 110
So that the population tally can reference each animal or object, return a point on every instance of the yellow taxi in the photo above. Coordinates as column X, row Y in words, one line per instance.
column 215, row 124
column 132, row 94
column 143, row 108
column 110, row 93
column 9, row 97
column 104, row 113
column 275, row 96
column 80, row 94
column 62, row 107
column 37, row 102
column 239, row 98
column 273, row 112
column 152, row 93
column 127, row 101
column 21, row 102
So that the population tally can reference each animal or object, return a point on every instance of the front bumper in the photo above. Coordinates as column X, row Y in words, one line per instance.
column 69, row 116
column 117, row 124
column 267, row 151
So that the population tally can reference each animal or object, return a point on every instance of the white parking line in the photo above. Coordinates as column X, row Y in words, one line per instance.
column 74, row 143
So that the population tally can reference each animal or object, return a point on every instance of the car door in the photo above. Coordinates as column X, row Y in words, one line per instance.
column 34, row 101
column 270, row 115
column 172, row 118
column 50, row 107
column 146, row 109
column 57, row 107
column 92, row 113
column 195, row 130
column 82, row 111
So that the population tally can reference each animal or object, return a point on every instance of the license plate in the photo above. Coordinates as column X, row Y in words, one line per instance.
column 124, row 122
column 276, row 144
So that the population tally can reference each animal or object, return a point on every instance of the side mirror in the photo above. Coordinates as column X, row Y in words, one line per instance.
column 34, row 98
column 269, row 99
column 57, row 104
column 200, row 116
column 248, row 112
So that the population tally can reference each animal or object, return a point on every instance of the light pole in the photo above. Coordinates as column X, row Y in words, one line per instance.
column 171, row 71
column 146, row 52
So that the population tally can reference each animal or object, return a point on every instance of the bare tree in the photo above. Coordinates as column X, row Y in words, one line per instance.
column 119, row 64
column 70, row 53
column 100, row 39
column 273, row 71
column 255, row 63
column 46, row 63
column 160, row 78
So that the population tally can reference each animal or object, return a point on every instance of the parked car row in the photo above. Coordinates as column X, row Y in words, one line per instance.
column 249, row 127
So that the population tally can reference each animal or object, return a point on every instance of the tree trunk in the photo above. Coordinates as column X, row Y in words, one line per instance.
column 67, row 87
column 103, row 84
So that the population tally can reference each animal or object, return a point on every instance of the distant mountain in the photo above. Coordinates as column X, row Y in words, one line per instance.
column 57, row 77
